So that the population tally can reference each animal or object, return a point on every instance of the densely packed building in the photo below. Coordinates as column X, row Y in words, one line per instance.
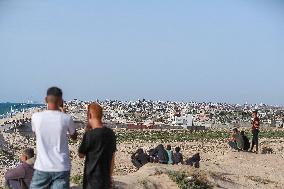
column 163, row 112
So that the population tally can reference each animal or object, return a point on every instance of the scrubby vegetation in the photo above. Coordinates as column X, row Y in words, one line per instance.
column 164, row 136
column 185, row 181
column 77, row 179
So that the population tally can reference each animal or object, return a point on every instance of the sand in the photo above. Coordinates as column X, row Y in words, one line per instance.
column 221, row 166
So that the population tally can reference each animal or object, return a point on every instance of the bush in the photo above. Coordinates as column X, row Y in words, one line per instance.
column 77, row 179
column 185, row 182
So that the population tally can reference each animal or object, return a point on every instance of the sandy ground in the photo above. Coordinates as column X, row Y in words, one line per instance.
column 223, row 167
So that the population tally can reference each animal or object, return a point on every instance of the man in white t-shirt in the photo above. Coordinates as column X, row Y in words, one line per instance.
column 52, row 166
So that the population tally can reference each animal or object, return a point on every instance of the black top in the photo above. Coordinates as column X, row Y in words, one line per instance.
column 99, row 146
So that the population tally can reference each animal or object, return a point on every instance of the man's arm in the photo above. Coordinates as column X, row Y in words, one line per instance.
column 72, row 129
column 74, row 136
column 83, row 147
column 15, row 173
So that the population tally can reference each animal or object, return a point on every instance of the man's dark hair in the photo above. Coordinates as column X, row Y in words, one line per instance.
column 29, row 152
column 54, row 91
column 177, row 149
column 242, row 132
column 255, row 112
column 235, row 130
column 169, row 147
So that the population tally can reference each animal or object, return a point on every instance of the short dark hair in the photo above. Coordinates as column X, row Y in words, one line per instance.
column 236, row 130
column 54, row 91
column 177, row 149
column 29, row 152
column 255, row 112
column 169, row 147
column 242, row 132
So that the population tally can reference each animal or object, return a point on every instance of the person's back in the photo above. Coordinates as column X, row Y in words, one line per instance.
column 240, row 141
column 178, row 157
column 98, row 157
column 51, row 129
column 52, row 166
column 162, row 154
column 246, row 141
column 21, row 176
column 98, row 147
column 143, row 158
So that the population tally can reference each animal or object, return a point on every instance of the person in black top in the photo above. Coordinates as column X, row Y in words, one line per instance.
column 178, row 157
column 98, row 147
column 246, row 141
column 194, row 161
column 139, row 158
column 161, row 153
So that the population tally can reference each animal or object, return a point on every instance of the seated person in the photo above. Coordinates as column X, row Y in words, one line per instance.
column 236, row 142
column 178, row 158
column 170, row 154
column 161, row 153
column 246, row 141
column 139, row 158
column 194, row 161
column 153, row 158
column 21, row 176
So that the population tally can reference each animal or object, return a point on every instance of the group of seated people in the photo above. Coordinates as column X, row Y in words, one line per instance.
column 239, row 141
column 163, row 156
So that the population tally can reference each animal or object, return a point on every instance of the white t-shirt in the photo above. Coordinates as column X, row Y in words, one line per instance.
column 51, row 128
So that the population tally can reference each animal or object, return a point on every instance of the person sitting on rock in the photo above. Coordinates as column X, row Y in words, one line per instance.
column 139, row 158
column 236, row 142
column 194, row 161
column 170, row 154
column 161, row 153
column 246, row 141
column 153, row 158
column 21, row 176
column 178, row 157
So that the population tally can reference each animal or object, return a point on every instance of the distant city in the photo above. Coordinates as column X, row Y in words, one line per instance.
column 206, row 114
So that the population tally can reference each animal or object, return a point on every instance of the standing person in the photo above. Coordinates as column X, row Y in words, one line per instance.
column 98, row 147
column 52, row 166
column 21, row 176
column 170, row 154
column 255, row 131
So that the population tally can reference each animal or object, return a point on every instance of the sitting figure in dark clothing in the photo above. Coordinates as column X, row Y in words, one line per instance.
column 178, row 158
column 161, row 154
column 194, row 161
column 246, row 141
column 139, row 158
column 21, row 176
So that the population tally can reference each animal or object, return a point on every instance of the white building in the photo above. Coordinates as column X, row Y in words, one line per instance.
column 184, row 121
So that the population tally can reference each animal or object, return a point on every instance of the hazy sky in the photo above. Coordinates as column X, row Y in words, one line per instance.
column 214, row 50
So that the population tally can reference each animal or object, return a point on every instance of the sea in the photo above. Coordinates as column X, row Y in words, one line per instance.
column 8, row 108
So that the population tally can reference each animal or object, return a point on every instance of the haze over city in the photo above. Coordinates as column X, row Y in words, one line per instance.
column 220, row 51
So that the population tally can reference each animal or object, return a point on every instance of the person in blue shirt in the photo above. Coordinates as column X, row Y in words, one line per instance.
column 170, row 154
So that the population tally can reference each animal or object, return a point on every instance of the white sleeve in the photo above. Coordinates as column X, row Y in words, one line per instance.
column 33, row 123
column 71, row 126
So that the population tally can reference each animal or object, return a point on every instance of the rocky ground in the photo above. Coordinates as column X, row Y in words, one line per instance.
column 220, row 166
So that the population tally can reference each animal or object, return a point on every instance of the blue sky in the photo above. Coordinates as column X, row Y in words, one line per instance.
column 221, row 50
